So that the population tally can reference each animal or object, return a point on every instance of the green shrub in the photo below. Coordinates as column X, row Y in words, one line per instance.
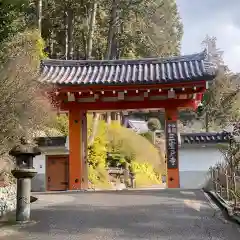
column 149, row 136
column 154, row 124
column 97, row 155
column 145, row 174
column 144, row 158
column 115, row 159
column 133, row 146
column 61, row 124
column 98, row 177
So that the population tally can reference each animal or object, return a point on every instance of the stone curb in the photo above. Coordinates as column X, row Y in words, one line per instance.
column 223, row 205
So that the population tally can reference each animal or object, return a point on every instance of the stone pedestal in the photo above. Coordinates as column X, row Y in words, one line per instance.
column 24, row 177
column 24, row 172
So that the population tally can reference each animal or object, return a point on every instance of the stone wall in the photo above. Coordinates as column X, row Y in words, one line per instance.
column 7, row 199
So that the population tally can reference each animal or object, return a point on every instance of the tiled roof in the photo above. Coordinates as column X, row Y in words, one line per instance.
column 139, row 71
column 138, row 126
column 190, row 138
column 186, row 138
column 51, row 141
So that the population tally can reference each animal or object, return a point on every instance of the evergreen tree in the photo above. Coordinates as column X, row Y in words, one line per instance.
column 221, row 101
column 141, row 28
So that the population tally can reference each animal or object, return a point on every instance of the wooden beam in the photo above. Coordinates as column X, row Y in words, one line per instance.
column 121, row 105
column 154, row 95
column 130, row 93
column 114, row 87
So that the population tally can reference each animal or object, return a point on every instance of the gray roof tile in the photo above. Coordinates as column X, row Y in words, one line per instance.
column 138, row 126
column 51, row 141
column 195, row 138
column 186, row 138
column 139, row 71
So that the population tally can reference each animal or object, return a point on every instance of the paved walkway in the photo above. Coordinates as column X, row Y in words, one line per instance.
column 152, row 214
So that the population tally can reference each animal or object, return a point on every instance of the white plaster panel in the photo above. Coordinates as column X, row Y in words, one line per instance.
column 199, row 158
column 194, row 164
column 39, row 164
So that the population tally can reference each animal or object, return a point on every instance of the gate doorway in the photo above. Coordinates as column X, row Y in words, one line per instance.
column 57, row 173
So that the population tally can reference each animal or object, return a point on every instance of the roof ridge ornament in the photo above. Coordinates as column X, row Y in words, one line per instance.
column 205, row 52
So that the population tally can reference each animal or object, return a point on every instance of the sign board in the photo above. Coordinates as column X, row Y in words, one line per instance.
column 172, row 144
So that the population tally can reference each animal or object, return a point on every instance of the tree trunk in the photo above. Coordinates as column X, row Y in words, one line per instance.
column 70, row 33
column 51, row 43
column 111, row 40
column 206, row 122
column 115, row 39
column 39, row 15
column 91, row 29
column 94, row 128
column 66, row 34
column 112, row 28
column 89, row 55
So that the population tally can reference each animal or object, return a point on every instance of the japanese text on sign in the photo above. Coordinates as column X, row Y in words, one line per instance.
column 172, row 145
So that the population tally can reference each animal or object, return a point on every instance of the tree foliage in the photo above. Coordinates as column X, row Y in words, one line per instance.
column 154, row 124
column 221, row 103
column 134, row 147
column 12, row 17
column 149, row 136
column 24, row 108
column 143, row 28
column 61, row 124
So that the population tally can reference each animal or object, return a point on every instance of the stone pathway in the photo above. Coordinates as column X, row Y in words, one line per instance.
column 124, row 215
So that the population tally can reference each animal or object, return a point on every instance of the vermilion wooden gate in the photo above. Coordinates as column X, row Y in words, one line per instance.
column 114, row 85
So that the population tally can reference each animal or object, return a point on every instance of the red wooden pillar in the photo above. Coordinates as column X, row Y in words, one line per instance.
column 75, row 149
column 171, row 116
column 84, row 150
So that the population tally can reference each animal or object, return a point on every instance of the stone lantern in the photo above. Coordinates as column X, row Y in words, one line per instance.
column 24, row 172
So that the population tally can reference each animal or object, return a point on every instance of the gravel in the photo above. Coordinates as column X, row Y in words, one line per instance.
column 7, row 199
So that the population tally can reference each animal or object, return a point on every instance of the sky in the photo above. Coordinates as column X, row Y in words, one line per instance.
column 218, row 18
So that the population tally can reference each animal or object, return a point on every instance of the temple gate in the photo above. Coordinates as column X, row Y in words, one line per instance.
column 113, row 85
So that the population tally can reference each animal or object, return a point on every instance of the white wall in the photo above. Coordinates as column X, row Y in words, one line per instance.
column 39, row 163
column 194, row 164
column 38, row 182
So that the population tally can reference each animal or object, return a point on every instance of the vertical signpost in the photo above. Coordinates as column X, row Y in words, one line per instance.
column 172, row 142
column 172, row 145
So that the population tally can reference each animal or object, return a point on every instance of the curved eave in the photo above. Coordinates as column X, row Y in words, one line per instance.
column 179, row 70
column 137, row 83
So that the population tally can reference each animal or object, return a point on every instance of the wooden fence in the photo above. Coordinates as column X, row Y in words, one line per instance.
column 226, row 183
